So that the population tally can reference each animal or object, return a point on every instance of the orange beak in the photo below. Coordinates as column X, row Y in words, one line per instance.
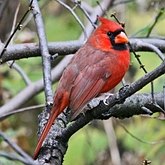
column 121, row 38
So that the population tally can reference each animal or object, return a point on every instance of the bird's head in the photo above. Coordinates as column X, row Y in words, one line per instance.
column 109, row 34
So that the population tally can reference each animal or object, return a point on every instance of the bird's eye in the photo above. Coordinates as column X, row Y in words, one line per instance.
column 109, row 33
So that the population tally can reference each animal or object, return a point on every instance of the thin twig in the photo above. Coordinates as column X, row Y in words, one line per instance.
column 106, row 4
column 160, row 55
column 86, row 6
column 11, row 63
column 30, row 16
column 21, row 110
column 16, row 148
column 20, row 71
column 103, row 10
column 79, row 4
column 14, row 21
column 161, row 11
column 114, row 15
column 137, row 56
column 14, row 157
column 15, row 30
column 137, row 138
column 75, row 15
column 148, row 28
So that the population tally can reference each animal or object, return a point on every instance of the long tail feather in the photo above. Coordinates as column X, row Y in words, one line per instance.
column 52, row 118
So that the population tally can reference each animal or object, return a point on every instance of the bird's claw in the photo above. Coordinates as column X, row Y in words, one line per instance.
column 105, row 101
column 96, row 101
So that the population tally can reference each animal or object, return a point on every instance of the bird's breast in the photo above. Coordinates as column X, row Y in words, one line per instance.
column 117, row 66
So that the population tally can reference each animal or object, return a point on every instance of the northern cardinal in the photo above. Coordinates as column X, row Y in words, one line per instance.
column 97, row 67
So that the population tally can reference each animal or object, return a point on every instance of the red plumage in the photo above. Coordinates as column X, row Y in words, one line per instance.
column 97, row 67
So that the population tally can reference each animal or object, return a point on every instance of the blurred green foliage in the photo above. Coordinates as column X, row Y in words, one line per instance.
column 62, row 28
column 83, row 148
column 152, row 138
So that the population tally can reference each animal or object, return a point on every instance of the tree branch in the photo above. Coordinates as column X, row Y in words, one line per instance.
column 46, row 57
column 20, row 51
column 14, row 157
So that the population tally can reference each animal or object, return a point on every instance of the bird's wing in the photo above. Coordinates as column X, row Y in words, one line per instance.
column 87, row 85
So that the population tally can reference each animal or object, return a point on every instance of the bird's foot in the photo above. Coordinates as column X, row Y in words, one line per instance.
column 107, row 95
column 96, row 101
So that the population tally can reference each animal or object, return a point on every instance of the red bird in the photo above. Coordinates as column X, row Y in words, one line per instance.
column 97, row 67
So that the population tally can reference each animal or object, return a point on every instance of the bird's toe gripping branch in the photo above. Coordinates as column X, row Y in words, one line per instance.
column 96, row 101
column 107, row 95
